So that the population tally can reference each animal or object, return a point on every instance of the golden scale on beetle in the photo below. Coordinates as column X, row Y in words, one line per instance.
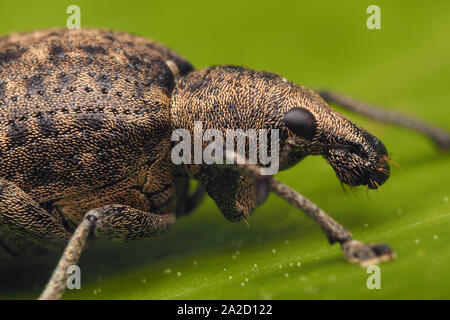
column 87, row 119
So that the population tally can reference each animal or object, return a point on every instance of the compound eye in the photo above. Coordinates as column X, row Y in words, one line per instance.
column 301, row 122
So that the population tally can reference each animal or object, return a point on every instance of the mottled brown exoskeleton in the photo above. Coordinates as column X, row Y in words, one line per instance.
column 85, row 142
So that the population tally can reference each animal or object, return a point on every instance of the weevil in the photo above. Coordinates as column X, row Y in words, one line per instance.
column 85, row 142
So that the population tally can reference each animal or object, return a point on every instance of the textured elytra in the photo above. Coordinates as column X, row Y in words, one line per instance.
column 84, row 122
column 101, row 106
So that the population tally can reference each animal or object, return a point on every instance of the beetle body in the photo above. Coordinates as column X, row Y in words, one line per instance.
column 86, row 122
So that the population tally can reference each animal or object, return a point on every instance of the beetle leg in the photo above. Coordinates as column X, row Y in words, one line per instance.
column 438, row 135
column 354, row 251
column 123, row 223
column 114, row 222
column 195, row 199
column 58, row 282
column 187, row 202
column 23, row 216
column 232, row 192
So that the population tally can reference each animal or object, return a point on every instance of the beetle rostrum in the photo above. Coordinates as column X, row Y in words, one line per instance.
column 358, row 157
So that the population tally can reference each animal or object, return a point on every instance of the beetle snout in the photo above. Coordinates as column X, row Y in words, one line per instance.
column 360, row 161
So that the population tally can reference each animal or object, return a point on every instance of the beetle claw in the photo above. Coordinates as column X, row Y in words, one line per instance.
column 367, row 254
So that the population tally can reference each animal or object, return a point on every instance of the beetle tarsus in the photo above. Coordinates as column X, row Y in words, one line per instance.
column 367, row 254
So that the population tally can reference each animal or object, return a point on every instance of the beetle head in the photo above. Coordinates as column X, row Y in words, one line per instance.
column 236, row 97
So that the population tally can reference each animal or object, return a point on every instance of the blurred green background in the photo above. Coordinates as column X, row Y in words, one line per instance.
column 405, row 66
